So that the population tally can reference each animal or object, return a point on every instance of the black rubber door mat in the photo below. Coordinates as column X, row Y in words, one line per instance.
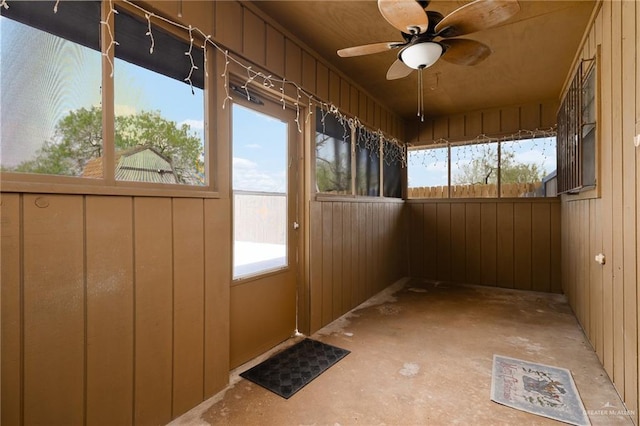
column 290, row 370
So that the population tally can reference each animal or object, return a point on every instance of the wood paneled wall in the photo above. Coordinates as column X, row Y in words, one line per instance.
column 357, row 250
column 114, row 309
column 512, row 243
column 605, row 298
column 494, row 122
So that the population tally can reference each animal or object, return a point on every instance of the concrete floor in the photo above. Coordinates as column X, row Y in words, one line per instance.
column 421, row 354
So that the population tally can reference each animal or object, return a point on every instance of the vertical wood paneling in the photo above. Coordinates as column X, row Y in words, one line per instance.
column 275, row 55
column 485, row 242
column 488, row 243
column 457, row 126
column 629, row 206
column 617, row 202
column 54, row 305
column 491, row 121
column 347, row 256
column 10, row 309
column 308, row 72
column 217, row 258
column 443, row 233
column 505, row 238
column 334, row 88
column 541, row 247
column 254, row 36
column 354, row 101
column 362, row 252
column 458, row 243
column 606, row 188
column 229, row 23
column 355, row 256
column 322, row 81
column 473, row 124
column 556, row 251
column 336, row 252
column 293, row 65
column 530, row 116
column 188, row 303
column 473, row 243
column 522, row 246
column 345, row 93
column 441, row 128
column 510, row 119
column 316, row 265
column 416, row 216
column 595, row 288
column 154, row 310
column 327, row 263
column 110, row 284
column 430, row 242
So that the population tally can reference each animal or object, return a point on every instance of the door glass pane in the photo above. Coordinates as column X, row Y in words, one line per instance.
column 259, row 192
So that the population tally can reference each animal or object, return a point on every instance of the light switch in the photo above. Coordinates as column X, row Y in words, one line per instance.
column 636, row 140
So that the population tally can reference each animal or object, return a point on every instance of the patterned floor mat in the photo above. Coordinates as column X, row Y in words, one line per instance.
column 288, row 371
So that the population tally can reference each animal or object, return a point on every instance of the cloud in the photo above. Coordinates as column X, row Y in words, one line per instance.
column 253, row 145
column 194, row 124
column 248, row 177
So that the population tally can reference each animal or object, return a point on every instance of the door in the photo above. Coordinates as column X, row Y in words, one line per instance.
column 265, row 236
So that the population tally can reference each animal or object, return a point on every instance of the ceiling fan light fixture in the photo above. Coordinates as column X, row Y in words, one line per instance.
column 421, row 55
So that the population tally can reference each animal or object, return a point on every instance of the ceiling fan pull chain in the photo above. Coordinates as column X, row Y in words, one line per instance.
column 420, row 95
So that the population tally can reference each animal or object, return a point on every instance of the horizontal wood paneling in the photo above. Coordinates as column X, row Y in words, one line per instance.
column 605, row 297
column 505, row 243
column 120, row 304
column 357, row 250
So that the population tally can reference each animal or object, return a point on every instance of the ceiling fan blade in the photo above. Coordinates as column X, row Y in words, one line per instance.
column 367, row 49
column 405, row 15
column 475, row 16
column 462, row 51
column 398, row 70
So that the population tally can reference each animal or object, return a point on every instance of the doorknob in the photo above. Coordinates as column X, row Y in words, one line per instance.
column 296, row 225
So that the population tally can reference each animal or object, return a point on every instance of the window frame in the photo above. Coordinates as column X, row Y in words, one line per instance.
column 571, row 176
column 108, row 185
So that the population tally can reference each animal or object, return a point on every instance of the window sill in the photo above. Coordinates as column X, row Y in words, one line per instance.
column 356, row 198
column 585, row 193
column 10, row 182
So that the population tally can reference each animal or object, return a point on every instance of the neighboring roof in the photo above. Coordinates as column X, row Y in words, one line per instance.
column 139, row 164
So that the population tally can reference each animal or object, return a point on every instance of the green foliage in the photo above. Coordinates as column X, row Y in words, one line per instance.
column 483, row 170
column 78, row 139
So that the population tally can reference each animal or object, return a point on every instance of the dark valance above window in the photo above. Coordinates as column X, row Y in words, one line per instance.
column 168, row 57
column 77, row 21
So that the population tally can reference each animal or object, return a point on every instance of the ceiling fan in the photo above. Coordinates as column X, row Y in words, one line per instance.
column 428, row 35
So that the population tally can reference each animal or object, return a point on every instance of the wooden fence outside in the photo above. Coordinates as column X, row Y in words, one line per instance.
column 476, row 191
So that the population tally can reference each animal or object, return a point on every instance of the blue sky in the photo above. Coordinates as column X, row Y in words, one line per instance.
column 259, row 151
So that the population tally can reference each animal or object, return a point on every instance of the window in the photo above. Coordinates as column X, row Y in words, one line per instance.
column 392, row 170
column 159, row 118
column 428, row 173
column 367, row 163
column 333, row 154
column 51, row 97
column 348, row 158
column 577, row 132
column 505, row 168
column 50, row 100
